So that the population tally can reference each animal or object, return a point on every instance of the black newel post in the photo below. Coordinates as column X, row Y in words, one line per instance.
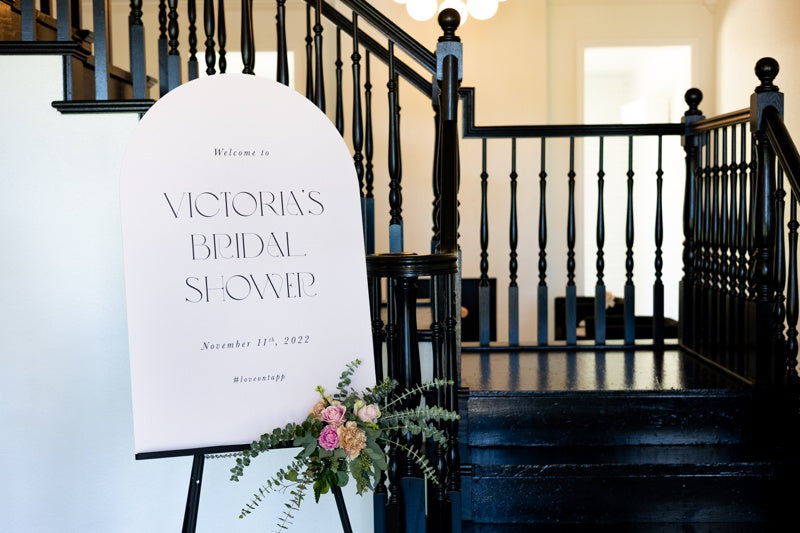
column 136, row 49
column 448, row 75
column 687, row 293
column 764, row 352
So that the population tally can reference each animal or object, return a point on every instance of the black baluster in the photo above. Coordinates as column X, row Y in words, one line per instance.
column 688, row 299
column 744, row 216
column 102, row 47
column 28, row 20
column 723, row 299
column 436, row 211
column 208, row 24
column 358, row 126
column 64, row 21
column 223, row 63
column 744, row 249
column 733, row 246
column 394, row 369
column 600, row 288
column 484, row 290
column 45, row 7
column 453, row 456
column 75, row 14
column 163, row 82
column 309, row 62
column 658, row 285
column 571, row 300
column 706, row 257
column 714, row 256
column 513, row 288
column 541, row 295
column 282, row 67
column 136, row 49
column 438, row 504
column 248, row 38
column 395, row 188
column 193, row 70
column 319, row 83
column 792, row 295
column 780, row 260
column 173, row 56
column 339, row 104
column 369, row 176
column 630, row 290
column 378, row 338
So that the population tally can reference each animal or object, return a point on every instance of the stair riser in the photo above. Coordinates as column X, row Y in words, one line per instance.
column 607, row 420
column 549, row 500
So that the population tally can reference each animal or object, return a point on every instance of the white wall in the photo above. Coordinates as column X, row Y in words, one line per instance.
column 66, row 452
column 746, row 32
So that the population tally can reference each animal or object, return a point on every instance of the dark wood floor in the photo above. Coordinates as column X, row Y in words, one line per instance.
column 589, row 371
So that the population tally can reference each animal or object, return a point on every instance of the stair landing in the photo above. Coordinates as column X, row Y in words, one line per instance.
column 612, row 370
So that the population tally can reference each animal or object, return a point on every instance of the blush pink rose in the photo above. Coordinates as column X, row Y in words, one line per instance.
column 334, row 414
column 368, row 413
column 328, row 438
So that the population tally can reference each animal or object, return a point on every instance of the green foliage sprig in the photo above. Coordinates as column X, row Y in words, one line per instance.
column 346, row 435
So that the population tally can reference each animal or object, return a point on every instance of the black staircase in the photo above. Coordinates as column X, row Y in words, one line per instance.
column 636, row 423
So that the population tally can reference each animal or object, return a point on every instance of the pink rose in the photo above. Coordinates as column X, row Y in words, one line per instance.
column 368, row 413
column 334, row 414
column 328, row 438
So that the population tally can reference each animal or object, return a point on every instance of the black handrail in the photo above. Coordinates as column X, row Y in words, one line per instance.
column 470, row 130
column 408, row 44
column 733, row 118
column 784, row 147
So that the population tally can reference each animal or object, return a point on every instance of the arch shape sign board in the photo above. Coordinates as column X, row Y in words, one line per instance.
column 245, row 270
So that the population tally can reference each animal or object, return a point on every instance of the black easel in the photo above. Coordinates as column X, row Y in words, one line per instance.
column 337, row 494
column 193, row 498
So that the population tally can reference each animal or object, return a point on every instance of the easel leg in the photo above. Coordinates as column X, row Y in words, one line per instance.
column 193, row 498
column 337, row 493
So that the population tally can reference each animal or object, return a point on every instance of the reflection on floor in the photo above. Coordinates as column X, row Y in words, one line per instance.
column 579, row 371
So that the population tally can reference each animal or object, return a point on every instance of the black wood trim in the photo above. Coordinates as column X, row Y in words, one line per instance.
column 470, row 130
column 406, row 264
column 42, row 48
column 589, row 346
column 104, row 106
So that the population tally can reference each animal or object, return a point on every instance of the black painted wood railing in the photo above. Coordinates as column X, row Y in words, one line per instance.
column 739, row 292
column 545, row 139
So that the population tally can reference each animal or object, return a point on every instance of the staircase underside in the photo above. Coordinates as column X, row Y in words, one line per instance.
column 623, row 441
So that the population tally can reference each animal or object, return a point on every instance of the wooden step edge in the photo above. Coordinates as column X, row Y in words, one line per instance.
column 102, row 106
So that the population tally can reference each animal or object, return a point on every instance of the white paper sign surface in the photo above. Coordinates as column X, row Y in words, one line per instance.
column 244, row 263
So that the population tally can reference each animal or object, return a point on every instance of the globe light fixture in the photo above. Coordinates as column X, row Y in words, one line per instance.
column 421, row 9
column 482, row 9
column 426, row 9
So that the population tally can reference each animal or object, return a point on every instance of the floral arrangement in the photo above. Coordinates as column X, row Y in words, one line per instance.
column 346, row 434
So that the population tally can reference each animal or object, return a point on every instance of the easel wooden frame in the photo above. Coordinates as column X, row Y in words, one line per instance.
column 196, row 482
